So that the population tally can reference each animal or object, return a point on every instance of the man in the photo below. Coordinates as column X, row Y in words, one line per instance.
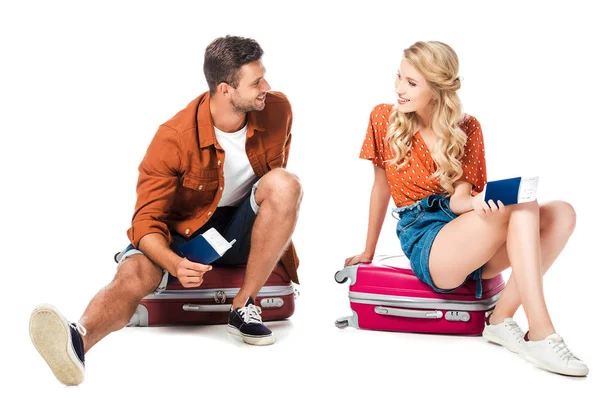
column 217, row 163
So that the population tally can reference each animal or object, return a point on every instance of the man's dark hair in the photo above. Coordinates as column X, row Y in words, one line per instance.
column 225, row 56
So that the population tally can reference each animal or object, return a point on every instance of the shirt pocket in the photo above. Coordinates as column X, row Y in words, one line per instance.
column 193, row 196
column 201, row 185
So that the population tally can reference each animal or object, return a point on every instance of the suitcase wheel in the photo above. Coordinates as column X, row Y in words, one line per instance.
column 340, row 277
column 342, row 323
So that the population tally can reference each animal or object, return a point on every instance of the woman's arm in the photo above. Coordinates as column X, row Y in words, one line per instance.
column 380, row 199
column 461, row 201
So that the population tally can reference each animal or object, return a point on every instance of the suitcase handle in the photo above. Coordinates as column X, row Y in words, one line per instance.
column 207, row 308
column 401, row 312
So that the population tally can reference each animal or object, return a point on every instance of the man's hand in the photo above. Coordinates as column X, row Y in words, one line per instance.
column 191, row 274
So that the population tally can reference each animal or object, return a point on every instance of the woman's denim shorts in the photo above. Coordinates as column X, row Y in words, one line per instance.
column 418, row 225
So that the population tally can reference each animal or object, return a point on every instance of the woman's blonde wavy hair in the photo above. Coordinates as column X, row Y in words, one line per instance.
column 438, row 63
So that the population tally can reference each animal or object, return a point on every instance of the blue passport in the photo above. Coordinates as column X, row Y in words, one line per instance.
column 512, row 190
column 207, row 247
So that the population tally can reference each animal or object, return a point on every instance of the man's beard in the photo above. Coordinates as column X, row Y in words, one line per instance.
column 244, row 107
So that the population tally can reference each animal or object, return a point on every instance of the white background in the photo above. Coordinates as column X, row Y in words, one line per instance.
column 84, row 87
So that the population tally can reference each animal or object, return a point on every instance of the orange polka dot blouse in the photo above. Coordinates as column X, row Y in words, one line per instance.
column 413, row 182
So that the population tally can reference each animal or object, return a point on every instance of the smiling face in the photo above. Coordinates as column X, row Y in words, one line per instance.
column 252, row 88
column 413, row 91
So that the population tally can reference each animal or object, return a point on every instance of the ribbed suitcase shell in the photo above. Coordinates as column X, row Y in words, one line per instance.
column 391, row 298
column 210, row 303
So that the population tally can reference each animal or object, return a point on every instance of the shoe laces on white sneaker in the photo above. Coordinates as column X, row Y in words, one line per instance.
column 251, row 314
column 80, row 328
column 560, row 347
column 514, row 329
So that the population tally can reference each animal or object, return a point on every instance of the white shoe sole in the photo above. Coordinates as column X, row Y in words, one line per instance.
column 556, row 369
column 254, row 340
column 50, row 334
column 491, row 337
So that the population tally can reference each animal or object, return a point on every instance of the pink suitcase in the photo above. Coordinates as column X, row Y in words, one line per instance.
column 392, row 298
column 210, row 303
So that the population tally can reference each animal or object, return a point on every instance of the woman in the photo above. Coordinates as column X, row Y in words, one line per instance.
column 430, row 158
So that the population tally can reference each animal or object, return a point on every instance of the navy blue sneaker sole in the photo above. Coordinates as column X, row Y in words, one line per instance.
column 252, row 339
column 51, row 336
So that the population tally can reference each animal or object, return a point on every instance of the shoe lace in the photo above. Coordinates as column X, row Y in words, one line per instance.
column 251, row 314
column 80, row 328
column 515, row 330
column 559, row 345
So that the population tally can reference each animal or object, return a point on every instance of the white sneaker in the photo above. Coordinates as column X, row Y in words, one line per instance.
column 552, row 354
column 507, row 334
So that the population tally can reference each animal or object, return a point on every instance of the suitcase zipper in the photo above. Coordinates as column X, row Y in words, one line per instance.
column 423, row 303
column 267, row 291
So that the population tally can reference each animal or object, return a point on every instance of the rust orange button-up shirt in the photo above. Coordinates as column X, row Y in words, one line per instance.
column 181, row 174
column 414, row 181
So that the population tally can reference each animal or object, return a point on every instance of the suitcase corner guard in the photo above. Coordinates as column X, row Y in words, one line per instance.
column 347, row 273
column 345, row 322
column 140, row 317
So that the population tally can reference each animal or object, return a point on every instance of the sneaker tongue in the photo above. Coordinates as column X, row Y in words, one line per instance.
column 249, row 301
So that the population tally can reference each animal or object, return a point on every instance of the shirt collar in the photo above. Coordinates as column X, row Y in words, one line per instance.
column 206, row 130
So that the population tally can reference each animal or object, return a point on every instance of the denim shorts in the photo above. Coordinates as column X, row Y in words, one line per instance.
column 418, row 225
column 231, row 222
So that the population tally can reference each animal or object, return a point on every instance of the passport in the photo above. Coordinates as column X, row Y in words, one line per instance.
column 512, row 190
column 207, row 247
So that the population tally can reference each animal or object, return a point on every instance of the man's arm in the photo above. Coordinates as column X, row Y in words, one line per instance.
column 156, row 248
column 156, row 188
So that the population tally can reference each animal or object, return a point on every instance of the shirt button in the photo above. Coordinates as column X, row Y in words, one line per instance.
column 219, row 162
column 283, row 160
column 200, row 187
column 209, row 213
column 187, row 231
column 221, row 188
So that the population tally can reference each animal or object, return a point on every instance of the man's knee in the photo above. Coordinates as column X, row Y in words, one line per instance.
column 281, row 186
column 138, row 275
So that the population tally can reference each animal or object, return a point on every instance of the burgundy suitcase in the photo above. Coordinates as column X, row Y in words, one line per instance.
column 210, row 303
column 392, row 298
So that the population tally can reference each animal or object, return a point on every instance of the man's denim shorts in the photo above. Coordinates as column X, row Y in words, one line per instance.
column 231, row 222
column 418, row 225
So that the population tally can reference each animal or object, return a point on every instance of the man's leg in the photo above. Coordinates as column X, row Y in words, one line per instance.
column 271, row 214
column 114, row 305
column 63, row 345
column 278, row 197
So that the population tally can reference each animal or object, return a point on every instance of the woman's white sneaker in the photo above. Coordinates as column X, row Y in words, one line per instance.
column 552, row 354
column 506, row 333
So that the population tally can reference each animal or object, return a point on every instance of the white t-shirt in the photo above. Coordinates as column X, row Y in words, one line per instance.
column 239, row 175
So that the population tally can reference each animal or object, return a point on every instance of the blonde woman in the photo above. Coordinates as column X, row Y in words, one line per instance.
column 430, row 158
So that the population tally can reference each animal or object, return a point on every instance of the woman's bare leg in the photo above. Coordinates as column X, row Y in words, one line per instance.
column 470, row 241
column 557, row 222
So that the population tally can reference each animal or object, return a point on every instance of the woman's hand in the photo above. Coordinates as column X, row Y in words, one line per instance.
column 482, row 208
column 363, row 257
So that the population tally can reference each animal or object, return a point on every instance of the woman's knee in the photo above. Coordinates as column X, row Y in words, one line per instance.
column 531, row 206
column 558, row 214
column 138, row 274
